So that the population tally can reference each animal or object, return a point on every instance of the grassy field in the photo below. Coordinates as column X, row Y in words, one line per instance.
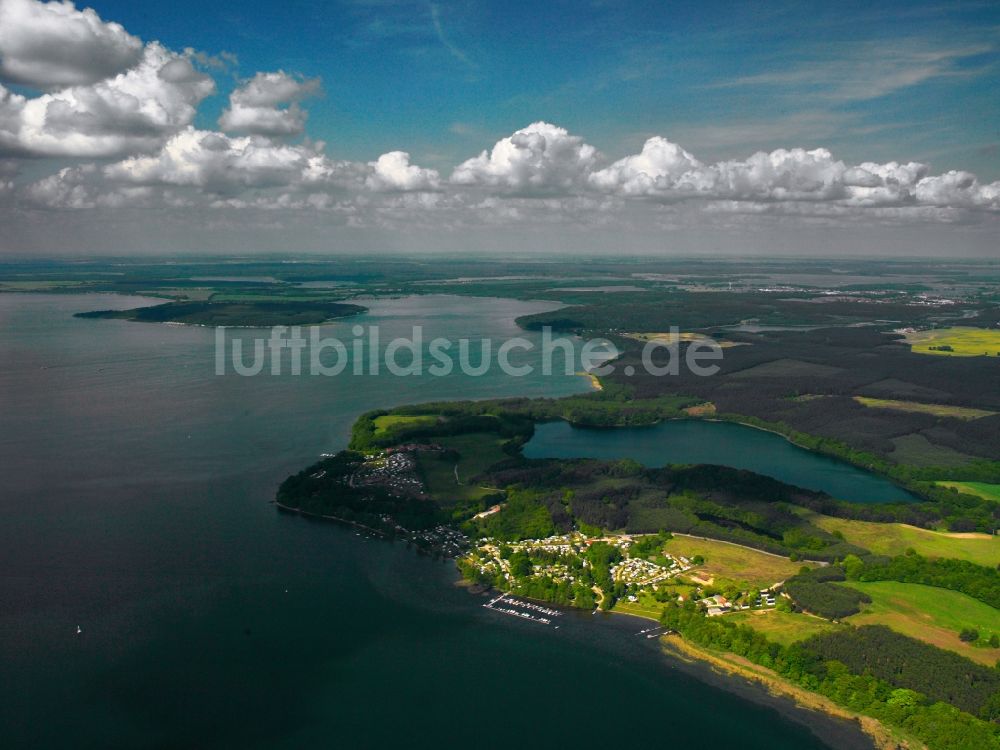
column 439, row 477
column 917, row 450
column 962, row 342
column 647, row 606
column 388, row 423
column 784, row 627
column 896, row 538
column 478, row 451
column 932, row 615
column 742, row 564
column 450, row 482
column 980, row 489
column 938, row 410
column 670, row 338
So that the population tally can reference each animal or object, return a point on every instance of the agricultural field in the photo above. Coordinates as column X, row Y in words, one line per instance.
column 734, row 562
column 937, row 410
column 389, row 423
column 932, row 615
column 438, row 475
column 478, row 451
column 671, row 338
column 956, row 342
column 895, row 538
column 980, row 489
column 784, row 627
column 788, row 368
column 449, row 482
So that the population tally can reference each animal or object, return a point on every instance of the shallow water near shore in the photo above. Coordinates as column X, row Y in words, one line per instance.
column 136, row 505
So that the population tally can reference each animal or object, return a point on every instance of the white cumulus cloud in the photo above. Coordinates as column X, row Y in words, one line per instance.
column 218, row 163
column 53, row 45
column 539, row 175
column 541, row 158
column 659, row 165
column 784, row 174
column 268, row 104
column 82, row 188
column 133, row 111
column 393, row 171
column 958, row 189
column 665, row 172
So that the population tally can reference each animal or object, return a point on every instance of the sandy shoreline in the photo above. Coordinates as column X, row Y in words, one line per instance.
column 836, row 726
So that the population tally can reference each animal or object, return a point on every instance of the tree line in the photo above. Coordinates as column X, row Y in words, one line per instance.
column 940, row 725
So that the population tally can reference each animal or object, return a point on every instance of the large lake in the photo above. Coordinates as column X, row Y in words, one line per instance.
column 691, row 441
column 135, row 503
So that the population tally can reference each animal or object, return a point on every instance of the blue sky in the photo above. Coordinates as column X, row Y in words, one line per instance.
column 898, row 81
column 486, row 126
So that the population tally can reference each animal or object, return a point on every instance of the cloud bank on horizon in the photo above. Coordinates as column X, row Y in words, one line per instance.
column 114, row 120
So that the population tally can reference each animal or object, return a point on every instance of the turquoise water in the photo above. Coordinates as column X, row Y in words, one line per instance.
column 135, row 504
column 700, row 442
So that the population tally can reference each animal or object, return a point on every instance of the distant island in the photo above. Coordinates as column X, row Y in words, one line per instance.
column 253, row 314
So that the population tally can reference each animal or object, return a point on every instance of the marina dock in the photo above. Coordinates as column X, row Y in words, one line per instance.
column 525, row 610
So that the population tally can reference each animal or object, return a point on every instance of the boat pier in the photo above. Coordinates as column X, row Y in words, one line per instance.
column 525, row 610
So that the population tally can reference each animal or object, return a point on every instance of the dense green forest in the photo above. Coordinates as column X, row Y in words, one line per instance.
column 908, row 663
column 324, row 489
column 825, row 599
column 516, row 417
